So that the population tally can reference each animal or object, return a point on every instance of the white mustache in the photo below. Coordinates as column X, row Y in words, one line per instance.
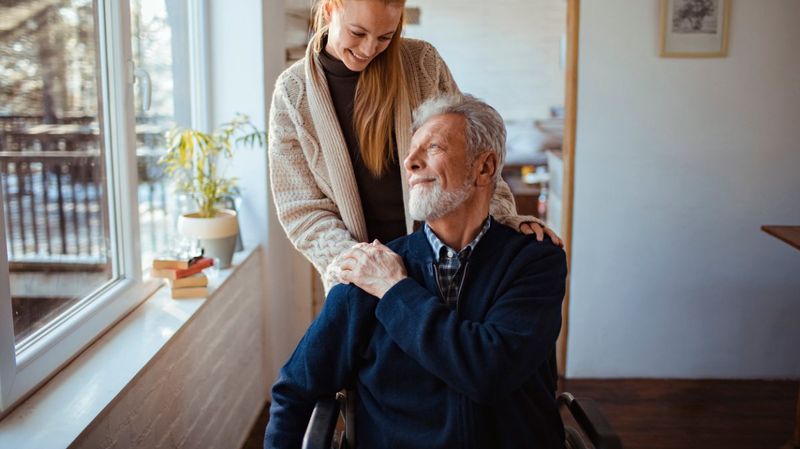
column 414, row 180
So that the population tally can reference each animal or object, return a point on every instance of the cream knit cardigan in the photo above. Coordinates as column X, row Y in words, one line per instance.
column 314, row 188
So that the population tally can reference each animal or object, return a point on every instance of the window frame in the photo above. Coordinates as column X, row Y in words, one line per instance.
column 25, row 368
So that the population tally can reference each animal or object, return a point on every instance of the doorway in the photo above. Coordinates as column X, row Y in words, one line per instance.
column 520, row 57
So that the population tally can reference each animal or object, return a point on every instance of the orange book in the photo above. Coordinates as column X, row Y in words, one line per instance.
column 196, row 267
column 179, row 273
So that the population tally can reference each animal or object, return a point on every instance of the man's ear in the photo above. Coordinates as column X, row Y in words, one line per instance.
column 487, row 167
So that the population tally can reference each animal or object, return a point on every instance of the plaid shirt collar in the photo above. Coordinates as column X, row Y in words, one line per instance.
column 437, row 245
column 450, row 263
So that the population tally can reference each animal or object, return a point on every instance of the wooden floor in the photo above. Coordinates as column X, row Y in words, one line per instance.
column 681, row 414
column 256, row 438
column 685, row 414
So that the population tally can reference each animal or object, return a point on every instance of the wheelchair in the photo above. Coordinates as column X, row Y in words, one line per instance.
column 323, row 434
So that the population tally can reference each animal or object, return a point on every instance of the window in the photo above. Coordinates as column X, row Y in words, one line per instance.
column 87, row 91
column 161, row 54
column 52, row 163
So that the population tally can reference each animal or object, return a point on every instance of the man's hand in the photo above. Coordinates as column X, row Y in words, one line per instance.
column 531, row 227
column 372, row 267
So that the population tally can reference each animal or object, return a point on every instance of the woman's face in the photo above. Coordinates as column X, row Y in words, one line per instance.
column 360, row 30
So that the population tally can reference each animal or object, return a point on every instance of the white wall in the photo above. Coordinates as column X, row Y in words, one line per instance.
column 247, row 55
column 505, row 52
column 678, row 163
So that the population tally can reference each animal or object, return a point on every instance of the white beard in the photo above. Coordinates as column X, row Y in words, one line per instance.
column 430, row 202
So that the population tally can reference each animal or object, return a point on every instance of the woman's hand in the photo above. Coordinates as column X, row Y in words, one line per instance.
column 370, row 266
column 531, row 227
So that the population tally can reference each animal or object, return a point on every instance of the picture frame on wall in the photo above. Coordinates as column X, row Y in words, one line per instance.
column 695, row 28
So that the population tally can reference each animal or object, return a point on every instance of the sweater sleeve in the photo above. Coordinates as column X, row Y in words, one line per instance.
column 322, row 364
column 310, row 218
column 482, row 359
column 504, row 209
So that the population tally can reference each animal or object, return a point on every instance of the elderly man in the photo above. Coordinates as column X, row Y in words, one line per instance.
column 448, row 334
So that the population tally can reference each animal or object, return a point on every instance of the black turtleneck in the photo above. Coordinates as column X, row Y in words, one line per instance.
column 381, row 198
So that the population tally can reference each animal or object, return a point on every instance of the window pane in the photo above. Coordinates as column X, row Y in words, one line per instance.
column 51, row 159
column 161, row 54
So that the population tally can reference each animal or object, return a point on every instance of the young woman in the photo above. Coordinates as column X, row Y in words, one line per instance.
column 340, row 127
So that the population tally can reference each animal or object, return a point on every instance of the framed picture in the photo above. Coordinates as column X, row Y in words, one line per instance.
column 695, row 28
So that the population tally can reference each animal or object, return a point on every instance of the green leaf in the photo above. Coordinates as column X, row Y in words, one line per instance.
column 192, row 160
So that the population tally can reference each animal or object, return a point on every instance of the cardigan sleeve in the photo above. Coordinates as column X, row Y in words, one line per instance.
column 310, row 218
column 484, row 359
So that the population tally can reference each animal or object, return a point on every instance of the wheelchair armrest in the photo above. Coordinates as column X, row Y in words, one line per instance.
column 592, row 421
column 319, row 433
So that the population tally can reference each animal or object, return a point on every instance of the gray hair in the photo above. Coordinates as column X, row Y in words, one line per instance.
column 484, row 129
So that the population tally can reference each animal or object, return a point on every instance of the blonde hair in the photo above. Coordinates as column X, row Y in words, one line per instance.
column 379, row 86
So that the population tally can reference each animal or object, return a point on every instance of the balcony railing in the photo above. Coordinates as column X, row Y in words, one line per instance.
column 53, row 206
column 53, row 185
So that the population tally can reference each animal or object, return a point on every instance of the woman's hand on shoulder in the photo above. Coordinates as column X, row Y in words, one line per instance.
column 532, row 227
column 370, row 266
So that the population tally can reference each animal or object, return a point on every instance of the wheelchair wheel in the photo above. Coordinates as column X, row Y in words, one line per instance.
column 574, row 439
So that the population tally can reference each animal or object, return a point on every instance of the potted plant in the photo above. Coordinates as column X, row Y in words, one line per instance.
column 193, row 162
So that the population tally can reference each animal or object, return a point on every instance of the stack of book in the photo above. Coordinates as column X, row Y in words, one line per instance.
column 184, row 276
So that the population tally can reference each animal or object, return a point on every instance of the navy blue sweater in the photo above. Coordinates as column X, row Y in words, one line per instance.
column 482, row 375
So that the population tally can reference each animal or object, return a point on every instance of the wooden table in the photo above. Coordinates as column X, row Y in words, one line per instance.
column 526, row 196
column 790, row 235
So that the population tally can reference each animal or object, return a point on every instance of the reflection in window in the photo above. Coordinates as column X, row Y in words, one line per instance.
column 51, row 159
column 159, row 31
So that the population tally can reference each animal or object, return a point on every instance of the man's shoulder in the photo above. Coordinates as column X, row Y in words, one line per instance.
column 342, row 296
column 402, row 244
column 515, row 246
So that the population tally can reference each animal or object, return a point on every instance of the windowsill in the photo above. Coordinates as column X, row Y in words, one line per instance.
column 55, row 415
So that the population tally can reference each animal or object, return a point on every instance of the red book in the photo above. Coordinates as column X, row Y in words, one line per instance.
column 173, row 274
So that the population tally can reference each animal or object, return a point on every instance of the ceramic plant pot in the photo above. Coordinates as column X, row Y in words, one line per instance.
column 217, row 234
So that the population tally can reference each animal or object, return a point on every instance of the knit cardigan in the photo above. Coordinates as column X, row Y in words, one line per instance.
column 311, row 174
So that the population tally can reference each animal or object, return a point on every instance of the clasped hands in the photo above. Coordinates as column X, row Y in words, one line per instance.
column 373, row 267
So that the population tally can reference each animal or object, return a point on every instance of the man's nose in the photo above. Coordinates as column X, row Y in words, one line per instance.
column 412, row 162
